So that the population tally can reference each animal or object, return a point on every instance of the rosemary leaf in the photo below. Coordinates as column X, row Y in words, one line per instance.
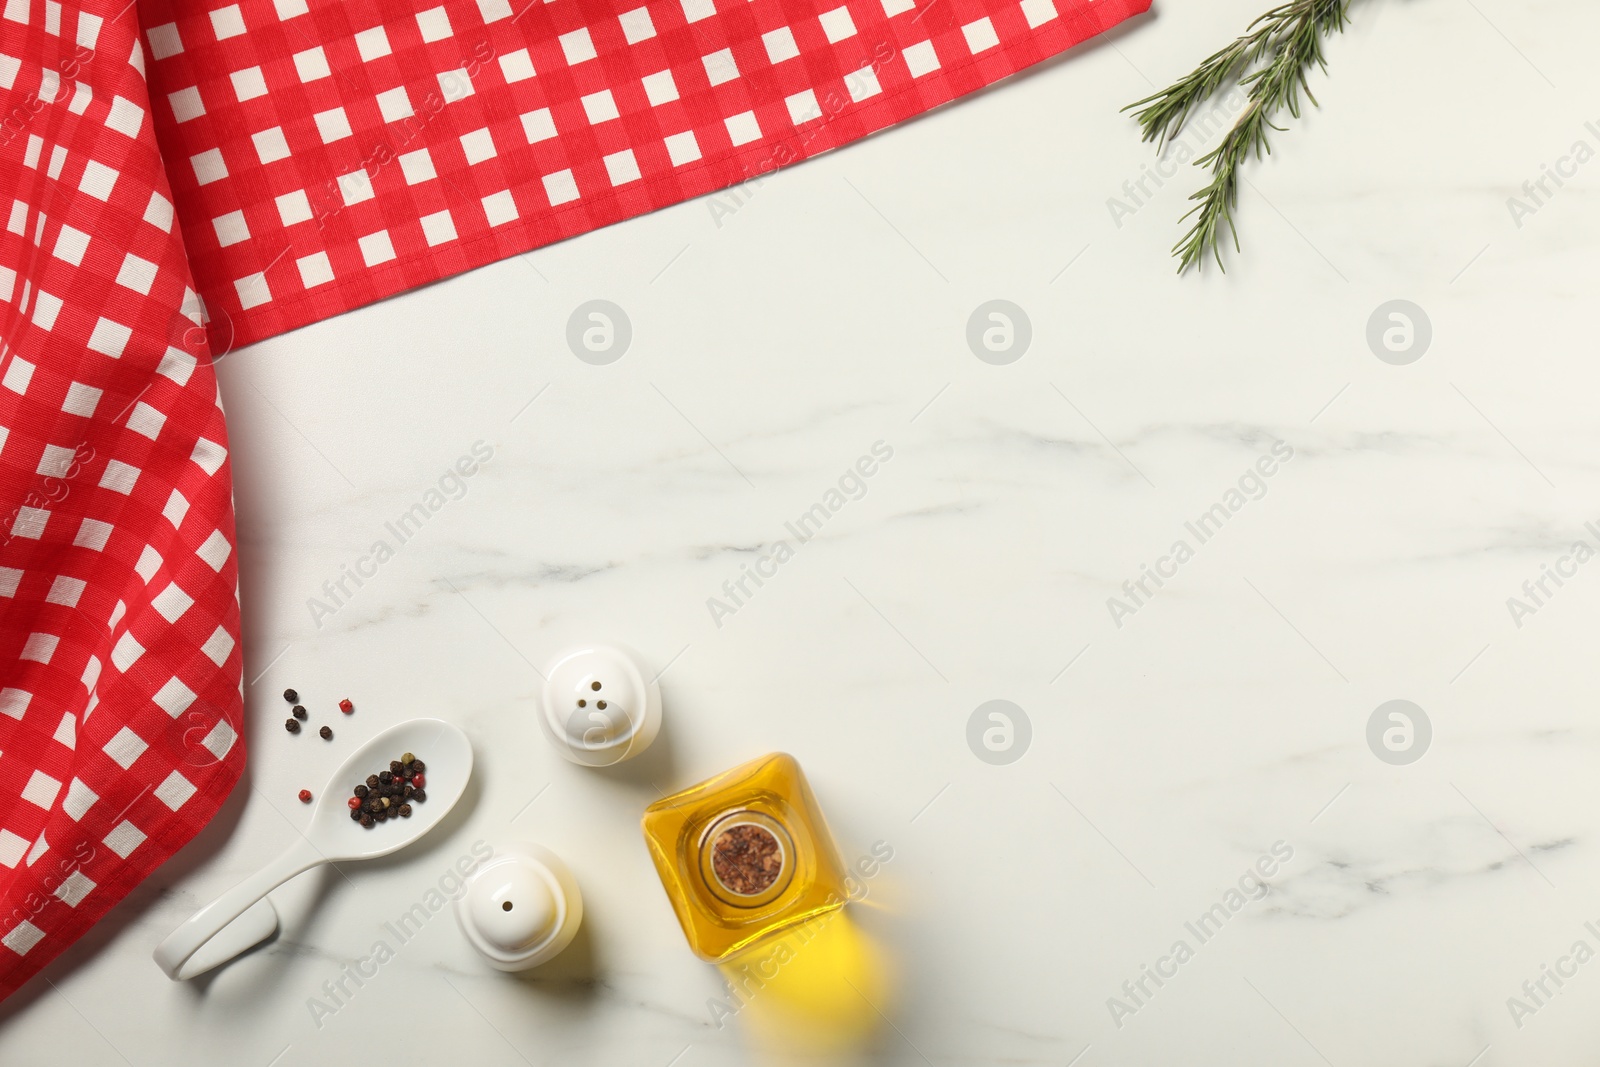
column 1272, row 62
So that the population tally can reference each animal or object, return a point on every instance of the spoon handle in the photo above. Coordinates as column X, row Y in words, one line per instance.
column 180, row 956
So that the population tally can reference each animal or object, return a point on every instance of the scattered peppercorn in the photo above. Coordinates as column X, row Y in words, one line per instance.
column 417, row 767
column 299, row 711
column 372, row 780
column 405, row 811
column 419, row 796
column 355, row 814
column 305, row 796
column 385, row 777
column 354, row 803
column 292, row 725
column 361, row 790
column 394, row 766
column 367, row 820
column 419, row 780
column 325, row 733
column 291, row 696
column 345, row 706
column 408, row 758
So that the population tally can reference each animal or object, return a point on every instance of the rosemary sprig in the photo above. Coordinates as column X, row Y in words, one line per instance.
column 1271, row 62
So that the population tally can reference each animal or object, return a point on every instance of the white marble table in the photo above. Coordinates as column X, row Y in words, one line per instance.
column 1227, row 715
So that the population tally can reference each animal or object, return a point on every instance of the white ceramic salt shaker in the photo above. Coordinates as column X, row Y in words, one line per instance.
column 600, row 704
column 521, row 908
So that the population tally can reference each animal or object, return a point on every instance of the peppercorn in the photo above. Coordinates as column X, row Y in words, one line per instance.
column 408, row 758
column 372, row 780
column 417, row 767
column 367, row 821
column 418, row 780
column 385, row 777
column 299, row 711
column 420, row 795
column 325, row 733
column 292, row 725
column 355, row 814
column 408, row 790
column 291, row 696
column 345, row 706
column 405, row 811
column 361, row 791
column 382, row 815
column 354, row 803
column 305, row 796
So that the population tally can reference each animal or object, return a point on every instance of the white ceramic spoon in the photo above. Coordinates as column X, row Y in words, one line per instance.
column 243, row 916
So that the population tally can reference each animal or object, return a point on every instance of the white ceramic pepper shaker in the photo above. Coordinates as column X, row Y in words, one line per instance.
column 600, row 704
column 521, row 908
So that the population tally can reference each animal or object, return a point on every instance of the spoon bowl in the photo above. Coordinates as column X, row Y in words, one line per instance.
column 448, row 756
column 243, row 916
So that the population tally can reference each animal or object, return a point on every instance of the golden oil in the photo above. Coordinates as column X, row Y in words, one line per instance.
column 744, row 855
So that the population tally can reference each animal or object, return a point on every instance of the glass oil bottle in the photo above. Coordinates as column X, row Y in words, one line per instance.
column 744, row 855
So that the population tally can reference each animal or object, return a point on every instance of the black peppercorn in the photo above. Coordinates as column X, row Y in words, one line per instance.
column 408, row 791
column 420, row 795
column 382, row 815
column 292, row 725
column 405, row 811
column 372, row 780
column 299, row 712
column 394, row 766
column 291, row 696
column 355, row 814
column 326, row 733
column 367, row 821
column 417, row 767
column 361, row 791
column 386, row 776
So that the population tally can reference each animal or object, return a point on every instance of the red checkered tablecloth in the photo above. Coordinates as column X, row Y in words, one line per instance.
column 119, row 619
column 178, row 177
column 325, row 155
